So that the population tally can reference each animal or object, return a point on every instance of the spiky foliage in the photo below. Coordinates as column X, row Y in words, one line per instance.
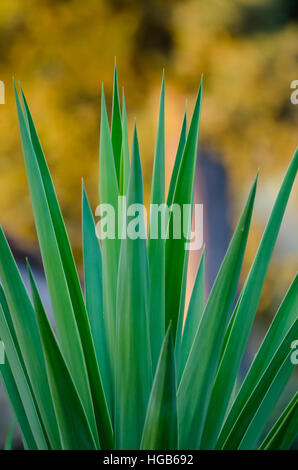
column 122, row 369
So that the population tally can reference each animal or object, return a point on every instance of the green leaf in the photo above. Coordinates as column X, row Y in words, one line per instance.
column 172, row 186
column 181, row 314
column 108, row 194
column 260, row 391
column 196, row 382
column 174, row 265
column 116, row 127
column 9, row 437
column 61, row 302
column 156, row 242
column 263, row 413
column 177, row 162
column 20, row 377
column 73, row 424
column 26, row 330
column 124, row 163
column 9, row 325
column 64, row 286
column 245, row 314
column 133, row 358
column 194, row 315
column 283, row 320
column 284, row 431
column 16, row 402
column 93, row 293
column 160, row 429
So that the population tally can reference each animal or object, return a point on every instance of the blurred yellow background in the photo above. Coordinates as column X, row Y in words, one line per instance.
column 61, row 51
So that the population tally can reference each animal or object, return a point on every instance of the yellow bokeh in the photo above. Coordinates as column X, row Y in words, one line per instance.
column 62, row 51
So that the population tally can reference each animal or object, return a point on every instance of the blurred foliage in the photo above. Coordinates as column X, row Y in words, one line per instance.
column 61, row 50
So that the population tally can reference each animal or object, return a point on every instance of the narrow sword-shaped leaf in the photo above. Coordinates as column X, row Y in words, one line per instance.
column 261, row 389
column 20, row 373
column 177, row 162
column 108, row 194
column 16, row 367
column 258, row 423
column 73, row 424
column 245, row 313
column 229, row 327
column 93, row 293
column 16, row 403
column 9, row 322
column 156, row 242
column 73, row 284
column 194, row 315
column 133, row 358
column 181, row 314
column 284, row 431
column 125, row 163
column 196, row 382
column 161, row 429
column 173, row 182
column 283, row 320
column 116, row 126
column 9, row 437
column 26, row 330
column 65, row 321
column 183, row 195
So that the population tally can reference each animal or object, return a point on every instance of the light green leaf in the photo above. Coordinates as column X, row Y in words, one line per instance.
column 194, row 315
column 283, row 320
column 156, row 242
column 73, row 424
column 9, row 437
column 177, row 162
column 26, row 330
column 260, row 391
column 183, row 195
column 27, row 409
column 170, row 201
column 64, row 286
column 181, row 314
column 285, row 430
column 196, row 382
column 124, row 164
column 133, row 358
column 160, row 429
column 258, row 423
column 93, row 293
column 245, row 313
column 108, row 194
column 116, row 126
column 15, row 400
column 65, row 321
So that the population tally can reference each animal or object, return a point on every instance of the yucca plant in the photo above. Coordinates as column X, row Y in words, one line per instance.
column 123, row 367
